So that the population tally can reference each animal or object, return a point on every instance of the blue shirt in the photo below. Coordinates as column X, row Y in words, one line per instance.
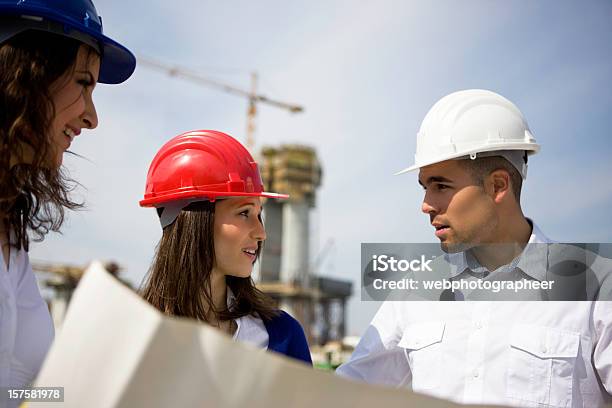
column 286, row 336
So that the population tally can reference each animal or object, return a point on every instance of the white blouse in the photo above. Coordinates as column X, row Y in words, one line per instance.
column 26, row 328
column 249, row 329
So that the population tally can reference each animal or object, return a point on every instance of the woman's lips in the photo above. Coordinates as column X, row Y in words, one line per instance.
column 250, row 256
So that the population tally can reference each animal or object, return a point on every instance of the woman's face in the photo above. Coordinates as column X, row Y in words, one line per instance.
column 72, row 98
column 238, row 231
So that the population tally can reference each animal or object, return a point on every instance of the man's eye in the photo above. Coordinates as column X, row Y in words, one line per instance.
column 245, row 213
column 442, row 187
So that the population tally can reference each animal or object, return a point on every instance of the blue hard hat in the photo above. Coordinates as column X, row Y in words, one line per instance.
column 76, row 19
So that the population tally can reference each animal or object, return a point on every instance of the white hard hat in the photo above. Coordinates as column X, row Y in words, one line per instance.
column 468, row 123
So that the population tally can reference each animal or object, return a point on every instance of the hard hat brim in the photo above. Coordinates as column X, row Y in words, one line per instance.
column 117, row 63
column 159, row 201
column 531, row 148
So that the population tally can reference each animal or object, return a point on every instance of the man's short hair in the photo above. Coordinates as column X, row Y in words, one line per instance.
column 481, row 167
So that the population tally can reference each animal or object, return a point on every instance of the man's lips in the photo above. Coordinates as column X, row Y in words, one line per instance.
column 441, row 229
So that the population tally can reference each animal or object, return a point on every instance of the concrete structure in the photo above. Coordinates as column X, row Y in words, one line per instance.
column 57, row 283
column 286, row 272
column 294, row 170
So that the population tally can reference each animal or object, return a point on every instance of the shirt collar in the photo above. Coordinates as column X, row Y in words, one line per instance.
column 231, row 300
column 532, row 260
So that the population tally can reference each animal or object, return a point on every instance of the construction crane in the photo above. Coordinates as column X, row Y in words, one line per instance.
column 252, row 95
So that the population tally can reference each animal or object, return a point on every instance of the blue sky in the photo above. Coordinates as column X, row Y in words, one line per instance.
column 367, row 73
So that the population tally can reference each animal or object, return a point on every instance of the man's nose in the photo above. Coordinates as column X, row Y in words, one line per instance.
column 427, row 207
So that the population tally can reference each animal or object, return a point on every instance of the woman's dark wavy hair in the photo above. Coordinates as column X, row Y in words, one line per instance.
column 33, row 196
column 178, row 282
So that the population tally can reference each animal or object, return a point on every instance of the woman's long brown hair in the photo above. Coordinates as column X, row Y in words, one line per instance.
column 178, row 282
column 33, row 195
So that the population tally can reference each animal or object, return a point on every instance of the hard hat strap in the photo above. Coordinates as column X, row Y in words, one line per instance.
column 518, row 158
column 170, row 210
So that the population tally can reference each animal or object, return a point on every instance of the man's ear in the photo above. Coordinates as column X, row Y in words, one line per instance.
column 499, row 185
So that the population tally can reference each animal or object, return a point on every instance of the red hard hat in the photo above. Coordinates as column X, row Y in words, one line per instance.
column 202, row 164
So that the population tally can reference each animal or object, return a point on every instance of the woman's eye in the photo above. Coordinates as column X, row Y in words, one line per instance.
column 85, row 83
column 245, row 213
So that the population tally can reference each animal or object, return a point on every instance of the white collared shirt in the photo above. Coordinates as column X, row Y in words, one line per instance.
column 528, row 354
column 26, row 328
column 249, row 329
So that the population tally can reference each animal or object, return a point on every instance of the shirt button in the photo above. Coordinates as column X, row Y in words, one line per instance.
column 544, row 350
column 475, row 374
column 478, row 325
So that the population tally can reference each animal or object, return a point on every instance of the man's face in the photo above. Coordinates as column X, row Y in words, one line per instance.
column 460, row 210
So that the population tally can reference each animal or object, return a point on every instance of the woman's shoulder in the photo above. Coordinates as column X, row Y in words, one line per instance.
column 284, row 320
column 283, row 326
column 287, row 337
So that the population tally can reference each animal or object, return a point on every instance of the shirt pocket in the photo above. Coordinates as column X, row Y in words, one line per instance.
column 421, row 343
column 541, row 365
